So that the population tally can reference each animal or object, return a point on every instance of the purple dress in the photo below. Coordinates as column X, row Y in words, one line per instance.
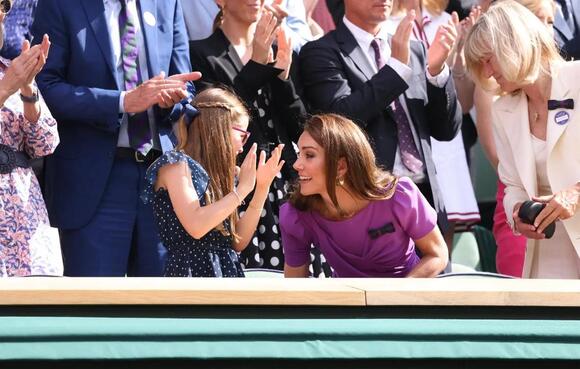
column 348, row 245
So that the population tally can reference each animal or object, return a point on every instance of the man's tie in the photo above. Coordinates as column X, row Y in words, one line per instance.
column 409, row 153
column 138, row 124
column 568, row 16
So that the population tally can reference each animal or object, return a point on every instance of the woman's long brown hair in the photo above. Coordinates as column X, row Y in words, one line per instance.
column 208, row 140
column 340, row 138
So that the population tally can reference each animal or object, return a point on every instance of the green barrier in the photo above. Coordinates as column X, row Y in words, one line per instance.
column 122, row 338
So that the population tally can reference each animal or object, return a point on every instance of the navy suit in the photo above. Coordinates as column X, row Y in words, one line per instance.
column 337, row 78
column 80, row 87
column 568, row 38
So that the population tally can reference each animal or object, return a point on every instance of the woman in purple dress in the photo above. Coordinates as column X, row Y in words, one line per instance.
column 28, row 245
column 365, row 221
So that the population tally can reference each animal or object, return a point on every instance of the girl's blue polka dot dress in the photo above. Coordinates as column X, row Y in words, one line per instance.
column 210, row 256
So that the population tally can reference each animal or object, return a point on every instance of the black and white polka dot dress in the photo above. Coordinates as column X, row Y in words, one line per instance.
column 210, row 256
column 265, row 250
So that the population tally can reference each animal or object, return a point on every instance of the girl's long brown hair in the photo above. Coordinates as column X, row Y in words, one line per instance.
column 340, row 138
column 208, row 140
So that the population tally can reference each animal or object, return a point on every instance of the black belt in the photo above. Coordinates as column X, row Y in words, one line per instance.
column 10, row 159
column 129, row 153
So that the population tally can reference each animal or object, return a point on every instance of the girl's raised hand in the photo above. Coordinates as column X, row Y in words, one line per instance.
column 247, row 177
column 267, row 170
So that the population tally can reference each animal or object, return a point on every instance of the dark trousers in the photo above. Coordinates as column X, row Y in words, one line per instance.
column 121, row 238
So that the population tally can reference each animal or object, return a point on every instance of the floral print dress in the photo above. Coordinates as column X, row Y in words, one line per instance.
column 28, row 245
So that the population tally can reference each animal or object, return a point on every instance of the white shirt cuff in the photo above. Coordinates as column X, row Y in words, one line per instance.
column 122, row 102
column 439, row 80
column 404, row 71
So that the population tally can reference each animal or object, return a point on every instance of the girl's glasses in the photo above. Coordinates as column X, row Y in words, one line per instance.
column 5, row 6
column 245, row 134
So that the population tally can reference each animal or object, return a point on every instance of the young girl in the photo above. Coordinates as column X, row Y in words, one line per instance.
column 194, row 196
column 240, row 54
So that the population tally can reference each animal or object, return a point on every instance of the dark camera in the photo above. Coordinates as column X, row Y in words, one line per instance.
column 5, row 6
column 528, row 213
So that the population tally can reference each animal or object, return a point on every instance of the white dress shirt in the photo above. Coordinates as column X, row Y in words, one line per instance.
column 364, row 39
column 112, row 11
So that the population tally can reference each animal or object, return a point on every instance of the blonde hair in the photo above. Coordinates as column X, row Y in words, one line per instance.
column 521, row 44
column 208, row 140
column 435, row 7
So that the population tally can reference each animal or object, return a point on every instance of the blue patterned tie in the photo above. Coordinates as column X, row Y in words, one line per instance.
column 138, row 124
column 409, row 153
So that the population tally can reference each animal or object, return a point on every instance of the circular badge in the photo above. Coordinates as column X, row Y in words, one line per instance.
column 149, row 19
column 562, row 117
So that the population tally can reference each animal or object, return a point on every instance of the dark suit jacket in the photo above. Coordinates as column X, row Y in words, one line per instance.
column 79, row 86
column 568, row 38
column 338, row 78
column 217, row 60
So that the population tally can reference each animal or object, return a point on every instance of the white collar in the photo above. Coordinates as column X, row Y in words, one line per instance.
column 363, row 38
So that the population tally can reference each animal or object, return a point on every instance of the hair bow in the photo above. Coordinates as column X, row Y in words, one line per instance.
column 184, row 107
column 561, row 104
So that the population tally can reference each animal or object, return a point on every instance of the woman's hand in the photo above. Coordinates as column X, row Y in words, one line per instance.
column 267, row 170
column 266, row 31
column 247, row 178
column 526, row 230
column 465, row 26
column 21, row 69
column 559, row 206
column 284, row 56
column 27, row 88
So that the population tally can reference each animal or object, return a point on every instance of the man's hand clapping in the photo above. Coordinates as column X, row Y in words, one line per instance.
column 441, row 48
column 159, row 90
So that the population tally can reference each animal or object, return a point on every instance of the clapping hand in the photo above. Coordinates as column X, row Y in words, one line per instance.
column 284, row 55
column 465, row 26
column 247, row 176
column 165, row 92
column 441, row 47
column 267, row 170
column 266, row 31
column 400, row 42
column 21, row 72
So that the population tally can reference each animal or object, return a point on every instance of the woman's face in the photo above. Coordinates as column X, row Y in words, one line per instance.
column 310, row 166
column 245, row 11
column 546, row 14
column 239, row 135
column 491, row 69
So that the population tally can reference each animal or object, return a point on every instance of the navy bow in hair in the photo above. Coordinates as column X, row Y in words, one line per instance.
column 185, row 107
column 560, row 104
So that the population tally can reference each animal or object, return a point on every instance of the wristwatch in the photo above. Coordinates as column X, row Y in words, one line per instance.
column 30, row 99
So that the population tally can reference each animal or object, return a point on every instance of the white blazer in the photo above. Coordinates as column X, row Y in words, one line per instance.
column 517, row 168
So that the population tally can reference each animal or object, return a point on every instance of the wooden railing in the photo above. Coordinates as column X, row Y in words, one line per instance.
column 313, row 292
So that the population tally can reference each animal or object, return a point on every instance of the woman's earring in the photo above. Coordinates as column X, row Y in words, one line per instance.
column 340, row 182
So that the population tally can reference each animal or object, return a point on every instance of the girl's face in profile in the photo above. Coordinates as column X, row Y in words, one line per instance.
column 240, row 135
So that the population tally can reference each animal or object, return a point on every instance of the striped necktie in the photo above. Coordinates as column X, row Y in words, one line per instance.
column 138, row 124
column 409, row 153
